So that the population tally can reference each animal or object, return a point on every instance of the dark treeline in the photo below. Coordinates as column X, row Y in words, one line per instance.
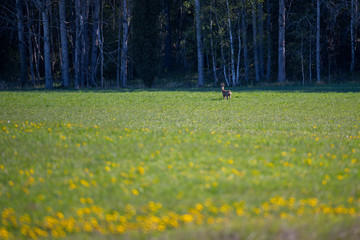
column 113, row 43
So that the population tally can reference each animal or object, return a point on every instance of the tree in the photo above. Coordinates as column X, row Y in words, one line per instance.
column 145, row 39
column 281, row 45
column 84, row 22
column 200, row 54
column 352, row 35
column 94, row 42
column 235, row 35
column 124, row 49
column 213, row 57
column 168, row 60
column 268, row 65
column 244, row 40
column 318, row 78
column 22, row 49
column 255, row 41
column 233, row 76
column 77, row 43
column 261, row 39
column 43, row 6
column 64, row 44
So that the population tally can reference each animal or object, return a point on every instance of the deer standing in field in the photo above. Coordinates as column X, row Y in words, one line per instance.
column 225, row 93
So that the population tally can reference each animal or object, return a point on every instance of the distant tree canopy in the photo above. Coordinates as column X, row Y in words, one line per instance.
column 119, row 43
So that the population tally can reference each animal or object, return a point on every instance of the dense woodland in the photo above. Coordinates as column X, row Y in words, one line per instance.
column 121, row 43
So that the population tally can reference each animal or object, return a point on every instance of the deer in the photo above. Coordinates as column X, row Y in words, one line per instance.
column 225, row 93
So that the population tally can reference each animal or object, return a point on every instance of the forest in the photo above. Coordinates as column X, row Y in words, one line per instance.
column 176, row 43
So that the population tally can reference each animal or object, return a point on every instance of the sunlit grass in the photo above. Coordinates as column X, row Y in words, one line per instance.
column 180, row 164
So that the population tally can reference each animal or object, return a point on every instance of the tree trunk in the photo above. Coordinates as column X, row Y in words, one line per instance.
column 77, row 43
column 318, row 79
column 256, row 54
column 22, row 49
column 238, row 55
column 232, row 56
column 212, row 47
column 30, row 47
column 244, row 35
column 101, row 43
column 352, row 38
column 124, row 49
column 168, row 62
column 43, row 6
column 261, row 39
column 310, row 60
column 52, row 35
column 64, row 44
column 31, row 57
column 222, row 53
column 37, row 48
column 84, row 43
column 200, row 54
column 268, row 64
column 94, row 42
column 281, row 57
column 118, row 62
column 302, row 60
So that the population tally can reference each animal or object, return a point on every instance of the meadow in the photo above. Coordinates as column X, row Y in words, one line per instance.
column 271, row 163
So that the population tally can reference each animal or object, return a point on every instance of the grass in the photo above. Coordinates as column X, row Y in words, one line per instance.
column 279, row 163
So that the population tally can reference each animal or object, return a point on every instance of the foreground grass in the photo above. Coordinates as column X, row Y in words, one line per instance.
column 181, row 164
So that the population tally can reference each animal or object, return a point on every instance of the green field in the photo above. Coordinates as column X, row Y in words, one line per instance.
column 274, row 163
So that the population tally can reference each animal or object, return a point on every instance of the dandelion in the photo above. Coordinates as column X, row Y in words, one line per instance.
column 135, row 192
column 308, row 161
column 199, row 207
column 60, row 215
column 312, row 202
column 187, row 218
column 72, row 186
column 41, row 197
column 120, row 228
column 84, row 183
column 141, row 170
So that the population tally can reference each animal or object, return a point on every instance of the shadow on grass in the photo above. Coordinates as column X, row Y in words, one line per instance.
column 322, row 88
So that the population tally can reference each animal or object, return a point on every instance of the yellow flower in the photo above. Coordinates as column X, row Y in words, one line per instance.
column 135, row 192
column 60, row 215
column 313, row 202
column 84, row 183
column 187, row 218
column 120, row 228
column 239, row 211
column 199, row 207
column 141, row 170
